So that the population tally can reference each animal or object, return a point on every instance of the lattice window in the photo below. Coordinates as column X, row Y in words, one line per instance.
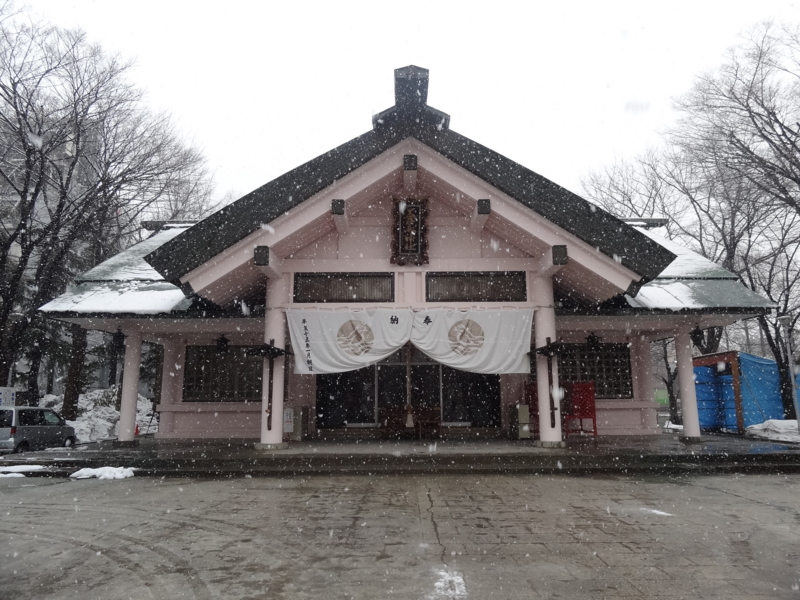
column 232, row 376
column 476, row 286
column 609, row 366
column 344, row 287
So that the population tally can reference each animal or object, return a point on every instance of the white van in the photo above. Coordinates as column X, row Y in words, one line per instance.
column 29, row 428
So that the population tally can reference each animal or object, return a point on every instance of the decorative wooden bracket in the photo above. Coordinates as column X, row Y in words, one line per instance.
column 268, row 351
column 483, row 208
column 266, row 260
column 340, row 218
column 553, row 262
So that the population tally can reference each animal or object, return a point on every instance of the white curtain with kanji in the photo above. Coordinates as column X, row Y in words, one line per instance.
column 480, row 341
column 333, row 341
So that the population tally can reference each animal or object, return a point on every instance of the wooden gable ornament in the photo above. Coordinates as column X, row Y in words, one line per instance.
column 410, row 231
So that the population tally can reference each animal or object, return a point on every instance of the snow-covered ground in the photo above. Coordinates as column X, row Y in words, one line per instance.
column 778, row 431
column 97, row 417
column 775, row 430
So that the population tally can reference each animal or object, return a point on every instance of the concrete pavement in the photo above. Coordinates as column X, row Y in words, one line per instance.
column 421, row 537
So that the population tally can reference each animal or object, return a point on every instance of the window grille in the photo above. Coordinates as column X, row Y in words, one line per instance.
column 344, row 287
column 231, row 376
column 609, row 366
column 476, row 286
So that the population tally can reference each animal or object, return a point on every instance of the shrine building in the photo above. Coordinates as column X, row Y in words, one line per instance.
column 409, row 278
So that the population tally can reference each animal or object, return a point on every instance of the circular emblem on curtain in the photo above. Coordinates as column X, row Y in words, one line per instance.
column 465, row 337
column 355, row 337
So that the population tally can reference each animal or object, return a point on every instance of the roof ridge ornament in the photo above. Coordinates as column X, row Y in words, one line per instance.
column 411, row 102
column 411, row 87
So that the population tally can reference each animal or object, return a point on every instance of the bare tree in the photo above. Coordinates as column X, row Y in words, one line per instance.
column 82, row 161
column 778, row 278
column 632, row 189
column 730, row 210
column 750, row 109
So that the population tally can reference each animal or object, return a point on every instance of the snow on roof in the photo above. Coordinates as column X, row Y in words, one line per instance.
column 688, row 264
column 679, row 294
column 124, row 284
column 129, row 264
column 691, row 281
column 120, row 297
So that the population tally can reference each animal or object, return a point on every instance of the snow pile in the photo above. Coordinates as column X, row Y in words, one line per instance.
column 776, row 430
column 97, row 416
column 103, row 473
column 19, row 470
column 449, row 585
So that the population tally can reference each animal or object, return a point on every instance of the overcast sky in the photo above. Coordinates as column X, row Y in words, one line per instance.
column 561, row 87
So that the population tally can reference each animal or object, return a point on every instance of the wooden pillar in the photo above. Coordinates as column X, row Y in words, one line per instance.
column 130, row 387
column 171, row 382
column 688, row 394
column 643, row 387
column 545, row 327
column 736, row 373
column 275, row 330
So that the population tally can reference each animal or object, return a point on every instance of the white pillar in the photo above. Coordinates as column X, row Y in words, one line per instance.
column 643, row 386
column 545, row 327
column 641, row 369
column 691, row 418
column 172, row 374
column 130, row 386
column 274, row 329
column 646, row 386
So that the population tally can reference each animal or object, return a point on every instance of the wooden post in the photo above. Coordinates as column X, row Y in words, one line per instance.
column 737, row 392
column 130, row 387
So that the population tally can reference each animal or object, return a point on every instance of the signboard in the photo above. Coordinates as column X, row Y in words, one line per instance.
column 8, row 396
column 288, row 420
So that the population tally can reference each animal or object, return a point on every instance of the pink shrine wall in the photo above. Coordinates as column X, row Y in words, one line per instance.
column 450, row 237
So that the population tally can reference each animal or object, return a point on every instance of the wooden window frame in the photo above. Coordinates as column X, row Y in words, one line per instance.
column 608, row 366
column 298, row 277
column 518, row 275
column 202, row 387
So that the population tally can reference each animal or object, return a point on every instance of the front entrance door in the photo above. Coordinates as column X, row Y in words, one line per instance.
column 378, row 395
column 346, row 399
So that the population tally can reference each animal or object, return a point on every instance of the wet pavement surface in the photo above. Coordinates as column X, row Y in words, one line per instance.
column 426, row 537
column 651, row 454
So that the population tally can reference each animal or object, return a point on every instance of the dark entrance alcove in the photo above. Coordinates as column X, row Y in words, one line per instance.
column 377, row 396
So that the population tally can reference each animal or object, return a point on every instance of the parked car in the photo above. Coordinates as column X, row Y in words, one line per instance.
column 28, row 428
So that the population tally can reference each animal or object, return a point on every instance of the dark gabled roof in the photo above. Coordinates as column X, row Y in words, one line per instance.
column 410, row 117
